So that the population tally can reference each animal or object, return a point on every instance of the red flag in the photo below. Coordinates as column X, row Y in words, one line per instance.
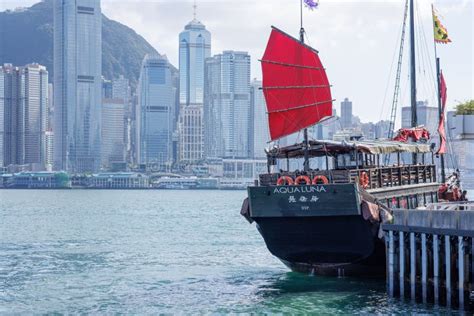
column 443, row 90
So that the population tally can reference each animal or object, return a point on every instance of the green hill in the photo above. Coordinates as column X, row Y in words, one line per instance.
column 26, row 36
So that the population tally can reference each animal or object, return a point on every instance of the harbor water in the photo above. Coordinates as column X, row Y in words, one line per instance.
column 105, row 251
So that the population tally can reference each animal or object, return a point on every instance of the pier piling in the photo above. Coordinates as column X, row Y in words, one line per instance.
column 412, row 265
column 401, row 240
column 447, row 255
column 441, row 255
column 436, row 268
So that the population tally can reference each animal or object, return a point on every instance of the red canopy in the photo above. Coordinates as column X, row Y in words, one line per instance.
column 296, row 88
column 415, row 133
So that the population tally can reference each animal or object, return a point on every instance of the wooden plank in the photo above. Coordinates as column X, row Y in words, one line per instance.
column 436, row 268
column 427, row 230
column 447, row 256
column 401, row 240
column 412, row 265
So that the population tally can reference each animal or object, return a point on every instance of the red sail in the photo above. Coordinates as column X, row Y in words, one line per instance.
column 295, row 85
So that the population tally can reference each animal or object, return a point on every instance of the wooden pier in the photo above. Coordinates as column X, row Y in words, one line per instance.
column 430, row 254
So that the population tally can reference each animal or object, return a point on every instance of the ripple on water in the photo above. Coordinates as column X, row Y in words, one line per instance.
column 81, row 251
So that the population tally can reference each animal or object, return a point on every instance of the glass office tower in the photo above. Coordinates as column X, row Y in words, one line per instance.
column 155, row 113
column 77, row 84
column 194, row 48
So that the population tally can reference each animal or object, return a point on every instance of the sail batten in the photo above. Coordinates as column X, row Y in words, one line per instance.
column 295, row 85
column 291, row 65
column 301, row 107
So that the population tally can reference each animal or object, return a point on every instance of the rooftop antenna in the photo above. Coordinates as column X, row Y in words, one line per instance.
column 194, row 9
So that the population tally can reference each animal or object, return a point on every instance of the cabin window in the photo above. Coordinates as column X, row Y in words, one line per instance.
column 350, row 160
column 428, row 198
column 413, row 201
column 394, row 203
column 403, row 202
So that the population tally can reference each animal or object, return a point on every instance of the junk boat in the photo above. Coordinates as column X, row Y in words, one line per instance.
column 327, row 220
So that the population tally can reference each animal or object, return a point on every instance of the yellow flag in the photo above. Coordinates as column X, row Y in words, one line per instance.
column 440, row 32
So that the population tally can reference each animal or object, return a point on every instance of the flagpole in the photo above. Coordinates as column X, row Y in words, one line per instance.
column 440, row 108
column 305, row 131
column 301, row 22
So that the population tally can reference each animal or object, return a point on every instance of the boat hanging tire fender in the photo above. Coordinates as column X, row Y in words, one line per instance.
column 364, row 179
column 301, row 179
column 320, row 180
column 285, row 180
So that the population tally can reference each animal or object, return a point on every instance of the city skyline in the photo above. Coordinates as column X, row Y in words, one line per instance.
column 329, row 25
column 230, row 120
column 331, row 30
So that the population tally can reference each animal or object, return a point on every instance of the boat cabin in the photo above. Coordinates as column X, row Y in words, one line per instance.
column 361, row 162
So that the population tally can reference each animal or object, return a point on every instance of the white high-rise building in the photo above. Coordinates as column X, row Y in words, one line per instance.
column 227, row 105
column 259, row 134
column 155, row 113
column 77, row 84
column 194, row 48
column 23, row 115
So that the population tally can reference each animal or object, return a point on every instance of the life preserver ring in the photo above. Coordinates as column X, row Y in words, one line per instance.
column 320, row 179
column 456, row 194
column 285, row 180
column 442, row 188
column 364, row 179
column 302, row 178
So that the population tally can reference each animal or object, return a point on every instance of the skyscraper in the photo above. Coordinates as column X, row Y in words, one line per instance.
column 23, row 115
column 106, row 88
column 194, row 48
column 227, row 105
column 258, row 132
column 121, row 89
column 113, row 131
column 155, row 112
column 77, row 84
column 346, row 113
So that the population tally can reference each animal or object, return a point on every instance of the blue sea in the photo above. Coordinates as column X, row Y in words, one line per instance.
column 148, row 252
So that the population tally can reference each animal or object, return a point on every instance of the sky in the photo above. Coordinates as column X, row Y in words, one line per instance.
column 358, row 41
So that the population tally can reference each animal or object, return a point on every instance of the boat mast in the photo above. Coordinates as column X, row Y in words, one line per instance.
column 305, row 131
column 414, row 118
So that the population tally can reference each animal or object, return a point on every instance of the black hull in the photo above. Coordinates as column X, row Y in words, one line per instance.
column 318, row 229
column 339, row 245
